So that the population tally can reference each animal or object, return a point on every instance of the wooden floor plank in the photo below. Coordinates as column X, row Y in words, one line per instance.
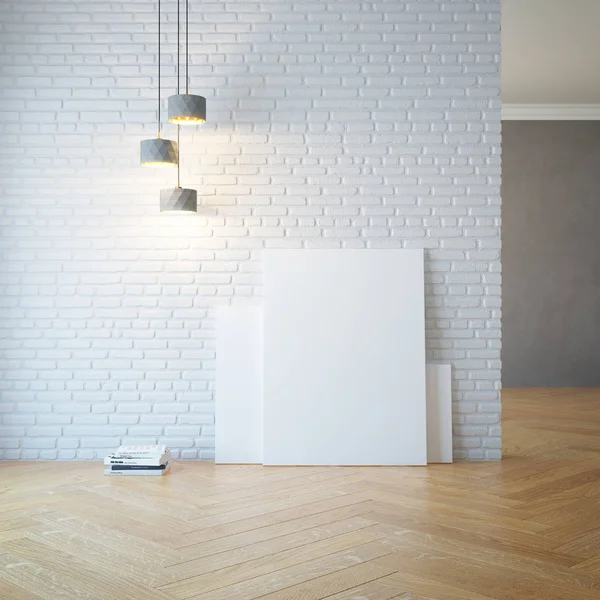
column 423, row 587
column 488, row 537
column 274, row 531
column 488, row 554
column 263, row 566
column 91, row 577
column 44, row 583
column 15, row 592
column 490, row 580
column 292, row 541
column 111, row 536
column 120, row 561
column 586, row 546
column 335, row 583
column 591, row 565
column 257, row 587
column 374, row 590
column 222, row 531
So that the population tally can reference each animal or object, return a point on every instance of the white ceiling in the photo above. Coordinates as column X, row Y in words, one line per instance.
column 551, row 51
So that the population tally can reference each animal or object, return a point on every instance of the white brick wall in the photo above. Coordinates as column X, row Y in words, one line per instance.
column 335, row 124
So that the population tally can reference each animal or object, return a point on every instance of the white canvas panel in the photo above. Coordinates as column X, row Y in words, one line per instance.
column 239, row 378
column 439, row 414
column 344, row 358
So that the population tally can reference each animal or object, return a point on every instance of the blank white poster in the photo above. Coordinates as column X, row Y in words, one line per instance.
column 344, row 358
column 439, row 414
column 239, row 378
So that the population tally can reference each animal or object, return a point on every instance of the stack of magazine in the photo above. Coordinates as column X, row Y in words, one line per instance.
column 138, row 460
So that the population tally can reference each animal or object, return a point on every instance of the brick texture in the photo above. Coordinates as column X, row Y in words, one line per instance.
column 331, row 124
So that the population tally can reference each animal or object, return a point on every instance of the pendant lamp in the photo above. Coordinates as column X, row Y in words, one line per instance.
column 186, row 109
column 158, row 152
column 178, row 199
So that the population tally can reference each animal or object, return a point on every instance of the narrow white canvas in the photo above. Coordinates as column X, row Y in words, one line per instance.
column 439, row 414
column 239, row 377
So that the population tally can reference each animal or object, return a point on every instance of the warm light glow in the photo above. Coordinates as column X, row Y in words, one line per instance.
column 158, row 164
column 186, row 120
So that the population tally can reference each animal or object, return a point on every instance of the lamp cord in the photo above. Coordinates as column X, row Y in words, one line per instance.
column 187, row 54
column 178, row 90
column 158, row 69
column 178, row 44
column 178, row 160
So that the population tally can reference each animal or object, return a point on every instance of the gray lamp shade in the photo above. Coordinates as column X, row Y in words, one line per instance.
column 178, row 200
column 187, row 109
column 158, row 153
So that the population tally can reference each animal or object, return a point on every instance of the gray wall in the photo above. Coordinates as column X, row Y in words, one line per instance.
column 551, row 253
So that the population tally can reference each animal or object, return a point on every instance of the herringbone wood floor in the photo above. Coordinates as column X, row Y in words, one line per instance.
column 526, row 528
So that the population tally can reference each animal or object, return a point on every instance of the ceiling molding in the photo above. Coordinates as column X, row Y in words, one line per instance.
column 551, row 112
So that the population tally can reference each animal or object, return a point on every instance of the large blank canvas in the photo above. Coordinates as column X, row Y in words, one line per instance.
column 239, row 380
column 439, row 414
column 344, row 358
